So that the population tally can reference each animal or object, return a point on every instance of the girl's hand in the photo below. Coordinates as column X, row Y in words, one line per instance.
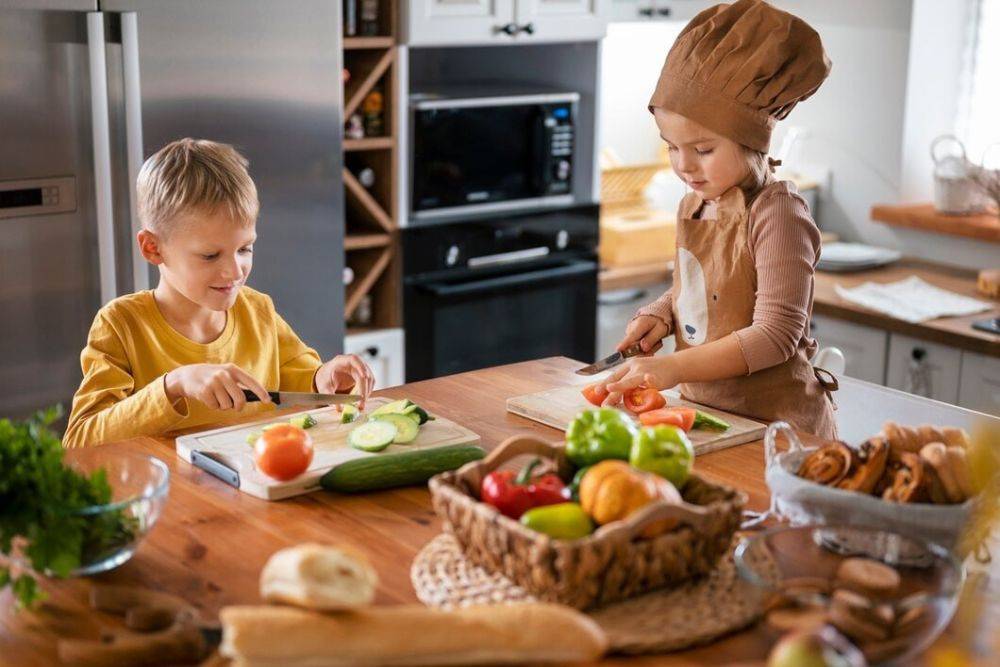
column 218, row 386
column 648, row 330
column 343, row 372
column 657, row 372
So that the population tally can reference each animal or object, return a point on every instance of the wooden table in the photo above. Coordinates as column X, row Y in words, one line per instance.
column 212, row 541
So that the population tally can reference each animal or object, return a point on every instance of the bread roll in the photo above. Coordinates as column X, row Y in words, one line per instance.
column 266, row 636
column 935, row 455
column 318, row 577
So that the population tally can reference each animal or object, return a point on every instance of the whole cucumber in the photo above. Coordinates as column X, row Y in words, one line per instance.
column 386, row 471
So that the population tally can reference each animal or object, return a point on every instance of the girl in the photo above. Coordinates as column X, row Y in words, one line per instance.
column 747, row 246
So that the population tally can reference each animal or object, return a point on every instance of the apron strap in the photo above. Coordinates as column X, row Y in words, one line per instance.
column 828, row 381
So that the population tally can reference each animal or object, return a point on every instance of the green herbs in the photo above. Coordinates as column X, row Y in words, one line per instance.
column 40, row 503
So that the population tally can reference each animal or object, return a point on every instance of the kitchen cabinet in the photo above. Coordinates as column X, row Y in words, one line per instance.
column 502, row 22
column 864, row 347
column 382, row 350
column 979, row 388
column 654, row 10
column 923, row 368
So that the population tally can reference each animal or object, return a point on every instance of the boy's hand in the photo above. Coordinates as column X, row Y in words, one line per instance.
column 219, row 386
column 658, row 372
column 646, row 329
column 343, row 372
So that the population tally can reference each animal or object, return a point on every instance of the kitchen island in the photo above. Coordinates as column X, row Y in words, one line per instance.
column 212, row 541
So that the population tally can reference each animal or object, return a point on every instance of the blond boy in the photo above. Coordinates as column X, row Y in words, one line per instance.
column 179, row 356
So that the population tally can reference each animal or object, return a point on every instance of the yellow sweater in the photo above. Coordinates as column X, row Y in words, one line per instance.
column 131, row 347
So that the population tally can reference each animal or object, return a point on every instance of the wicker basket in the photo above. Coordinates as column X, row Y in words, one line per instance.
column 611, row 564
column 625, row 186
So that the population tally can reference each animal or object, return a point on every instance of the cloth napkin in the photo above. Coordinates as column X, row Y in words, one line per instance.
column 912, row 300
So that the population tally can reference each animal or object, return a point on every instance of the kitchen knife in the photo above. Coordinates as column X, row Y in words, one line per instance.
column 612, row 361
column 284, row 398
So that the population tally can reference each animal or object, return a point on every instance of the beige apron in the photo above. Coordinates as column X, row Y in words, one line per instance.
column 715, row 284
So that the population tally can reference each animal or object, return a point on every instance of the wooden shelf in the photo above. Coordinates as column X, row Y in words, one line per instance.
column 357, row 43
column 367, row 270
column 368, row 144
column 367, row 204
column 923, row 217
column 365, row 241
column 375, row 65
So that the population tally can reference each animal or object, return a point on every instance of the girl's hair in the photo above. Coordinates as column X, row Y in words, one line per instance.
column 759, row 171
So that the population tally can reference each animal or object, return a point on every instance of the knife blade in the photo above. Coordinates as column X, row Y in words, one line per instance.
column 303, row 398
column 611, row 361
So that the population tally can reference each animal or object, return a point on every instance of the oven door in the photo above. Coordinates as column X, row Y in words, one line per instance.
column 464, row 324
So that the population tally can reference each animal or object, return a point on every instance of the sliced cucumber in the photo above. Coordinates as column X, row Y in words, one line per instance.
column 252, row 437
column 349, row 414
column 372, row 436
column 415, row 417
column 303, row 421
column 406, row 428
column 421, row 414
column 396, row 407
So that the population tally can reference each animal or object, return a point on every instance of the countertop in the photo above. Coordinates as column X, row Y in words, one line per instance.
column 212, row 541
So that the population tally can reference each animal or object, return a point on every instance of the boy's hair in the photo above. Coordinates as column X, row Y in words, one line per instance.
column 195, row 175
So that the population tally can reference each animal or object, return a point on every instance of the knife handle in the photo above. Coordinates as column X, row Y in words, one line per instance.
column 252, row 397
column 633, row 350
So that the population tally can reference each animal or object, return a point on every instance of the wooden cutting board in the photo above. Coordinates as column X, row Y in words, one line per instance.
column 329, row 438
column 558, row 407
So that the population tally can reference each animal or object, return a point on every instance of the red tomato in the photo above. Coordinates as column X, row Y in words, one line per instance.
column 283, row 452
column 643, row 399
column 680, row 417
column 595, row 393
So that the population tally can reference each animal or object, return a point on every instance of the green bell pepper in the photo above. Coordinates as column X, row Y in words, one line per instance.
column 599, row 434
column 665, row 451
column 565, row 521
column 574, row 487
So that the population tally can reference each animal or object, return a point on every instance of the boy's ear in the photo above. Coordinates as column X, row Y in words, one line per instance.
column 149, row 246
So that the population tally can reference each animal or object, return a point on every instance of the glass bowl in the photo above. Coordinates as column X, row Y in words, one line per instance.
column 778, row 560
column 139, row 486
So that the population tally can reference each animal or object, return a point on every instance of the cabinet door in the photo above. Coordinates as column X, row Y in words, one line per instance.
column 452, row 22
column 863, row 347
column 383, row 351
column 561, row 20
column 922, row 368
column 980, row 385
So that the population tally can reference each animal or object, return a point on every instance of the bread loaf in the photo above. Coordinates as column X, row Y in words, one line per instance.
column 318, row 577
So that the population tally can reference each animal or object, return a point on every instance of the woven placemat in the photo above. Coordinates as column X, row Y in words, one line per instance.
column 666, row 620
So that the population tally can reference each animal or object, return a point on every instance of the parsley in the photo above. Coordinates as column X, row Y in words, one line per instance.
column 40, row 501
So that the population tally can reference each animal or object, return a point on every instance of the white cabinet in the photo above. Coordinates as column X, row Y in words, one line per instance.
column 863, row 347
column 501, row 22
column 980, row 385
column 923, row 368
column 382, row 350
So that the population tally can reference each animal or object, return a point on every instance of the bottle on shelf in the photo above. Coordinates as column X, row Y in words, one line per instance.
column 369, row 17
column 367, row 177
column 355, row 127
column 372, row 109
column 350, row 18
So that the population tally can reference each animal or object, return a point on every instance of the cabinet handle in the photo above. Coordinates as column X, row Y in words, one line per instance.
column 528, row 28
column 371, row 351
column 646, row 11
column 663, row 11
column 509, row 29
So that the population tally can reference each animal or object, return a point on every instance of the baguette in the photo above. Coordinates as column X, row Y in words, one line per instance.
column 318, row 577
column 409, row 635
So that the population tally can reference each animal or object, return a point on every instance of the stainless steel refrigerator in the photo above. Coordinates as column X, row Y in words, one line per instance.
column 88, row 90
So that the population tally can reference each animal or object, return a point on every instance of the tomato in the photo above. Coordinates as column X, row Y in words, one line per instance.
column 283, row 452
column 682, row 418
column 595, row 393
column 643, row 399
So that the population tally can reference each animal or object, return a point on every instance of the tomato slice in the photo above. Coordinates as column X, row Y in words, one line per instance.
column 643, row 399
column 283, row 452
column 682, row 418
column 595, row 394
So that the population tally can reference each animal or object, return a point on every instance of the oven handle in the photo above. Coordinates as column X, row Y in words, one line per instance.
column 512, row 280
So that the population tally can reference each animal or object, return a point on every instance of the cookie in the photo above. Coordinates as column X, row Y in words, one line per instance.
column 802, row 619
column 868, row 577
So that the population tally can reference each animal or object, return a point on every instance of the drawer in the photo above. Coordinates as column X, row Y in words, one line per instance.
column 979, row 388
column 863, row 347
column 925, row 369
column 383, row 351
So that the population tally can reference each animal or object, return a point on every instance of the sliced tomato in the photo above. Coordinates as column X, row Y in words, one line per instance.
column 683, row 418
column 283, row 452
column 595, row 393
column 643, row 399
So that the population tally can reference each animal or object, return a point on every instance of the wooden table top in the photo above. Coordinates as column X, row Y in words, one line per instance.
column 212, row 541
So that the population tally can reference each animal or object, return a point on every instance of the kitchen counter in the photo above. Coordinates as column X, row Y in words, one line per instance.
column 212, row 541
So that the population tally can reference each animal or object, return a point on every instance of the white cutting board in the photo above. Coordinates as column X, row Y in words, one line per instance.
column 329, row 439
column 558, row 407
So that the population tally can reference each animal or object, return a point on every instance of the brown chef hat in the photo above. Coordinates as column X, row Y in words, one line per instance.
column 737, row 69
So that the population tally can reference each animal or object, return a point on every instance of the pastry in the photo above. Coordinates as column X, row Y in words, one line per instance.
column 901, row 439
column 827, row 465
column 909, row 483
column 935, row 456
column 869, row 464
column 867, row 577
column 959, row 462
column 315, row 576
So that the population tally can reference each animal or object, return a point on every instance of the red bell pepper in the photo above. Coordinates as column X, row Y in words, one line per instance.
column 514, row 496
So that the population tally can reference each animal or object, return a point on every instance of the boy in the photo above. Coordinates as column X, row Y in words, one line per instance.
column 179, row 356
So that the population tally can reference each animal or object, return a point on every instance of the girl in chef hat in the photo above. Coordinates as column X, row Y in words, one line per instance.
column 747, row 245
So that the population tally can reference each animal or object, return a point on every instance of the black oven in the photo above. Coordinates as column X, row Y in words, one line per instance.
column 476, row 150
column 500, row 290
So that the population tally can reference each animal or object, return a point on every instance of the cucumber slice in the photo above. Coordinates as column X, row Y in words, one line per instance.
column 349, row 414
column 303, row 421
column 372, row 436
column 415, row 417
column 421, row 413
column 396, row 407
column 406, row 428
column 252, row 437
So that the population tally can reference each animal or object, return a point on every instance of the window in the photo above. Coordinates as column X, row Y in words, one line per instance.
column 979, row 101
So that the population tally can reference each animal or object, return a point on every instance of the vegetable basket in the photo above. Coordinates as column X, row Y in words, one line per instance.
column 611, row 564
